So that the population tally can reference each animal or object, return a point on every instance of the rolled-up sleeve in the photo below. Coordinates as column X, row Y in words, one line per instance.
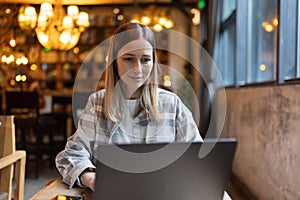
column 77, row 155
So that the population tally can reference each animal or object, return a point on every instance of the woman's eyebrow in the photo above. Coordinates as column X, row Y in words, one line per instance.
column 129, row 54
column 146, row 55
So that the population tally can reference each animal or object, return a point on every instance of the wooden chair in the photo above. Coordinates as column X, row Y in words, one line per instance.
column 12, row 162
column 25, row 108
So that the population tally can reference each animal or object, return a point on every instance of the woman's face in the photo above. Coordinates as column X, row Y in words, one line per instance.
column 135, row 63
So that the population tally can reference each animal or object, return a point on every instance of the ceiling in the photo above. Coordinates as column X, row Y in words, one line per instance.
column 77, row 2
column 173, row 3
column 85, row 2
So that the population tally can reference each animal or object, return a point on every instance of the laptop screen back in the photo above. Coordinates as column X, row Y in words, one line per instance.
column 188, row 177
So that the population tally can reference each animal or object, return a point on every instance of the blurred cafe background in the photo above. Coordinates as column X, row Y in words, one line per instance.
column 254, row 44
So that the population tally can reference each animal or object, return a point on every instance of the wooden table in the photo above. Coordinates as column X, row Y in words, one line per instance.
column 57, row 186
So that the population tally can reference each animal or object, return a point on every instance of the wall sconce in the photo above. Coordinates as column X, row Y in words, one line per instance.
column 54, row 29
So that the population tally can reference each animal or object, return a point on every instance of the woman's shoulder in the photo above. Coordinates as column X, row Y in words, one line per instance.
column 162, row 91
column 97, row 95
column 164, row 94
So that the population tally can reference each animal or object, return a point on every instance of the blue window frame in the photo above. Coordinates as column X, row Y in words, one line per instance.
column 289, row 48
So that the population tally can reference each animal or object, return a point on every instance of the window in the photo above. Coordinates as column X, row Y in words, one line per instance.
column 258, row 41
column 247, row 42
column 225, row 55
column 228, row 7
column 289, row 56
column 262, row 41
column 256, row 51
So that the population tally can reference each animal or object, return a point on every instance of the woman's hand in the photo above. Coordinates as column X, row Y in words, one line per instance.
column 88, row 178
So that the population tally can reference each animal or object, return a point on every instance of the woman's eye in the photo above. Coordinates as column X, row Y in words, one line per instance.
column 129, row 59
column 145, row 60
column 132, row 59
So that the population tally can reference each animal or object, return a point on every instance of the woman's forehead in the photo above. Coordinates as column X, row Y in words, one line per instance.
column 136, row 46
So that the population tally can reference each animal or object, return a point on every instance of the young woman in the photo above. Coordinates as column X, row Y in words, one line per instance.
column 131, row 108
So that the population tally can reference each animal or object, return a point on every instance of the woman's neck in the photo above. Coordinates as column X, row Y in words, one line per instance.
column 130, row 93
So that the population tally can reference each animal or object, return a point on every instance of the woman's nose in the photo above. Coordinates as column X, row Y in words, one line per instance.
column 137, row 65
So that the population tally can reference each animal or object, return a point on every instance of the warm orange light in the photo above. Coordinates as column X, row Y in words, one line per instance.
column 53, row 28
column 146, row 20
column 169, row 24
column 73, row 11
column 76, row 50
column 23, row 78
column 167, row 81
column 12, row 82
column 162, row 20
column 196, row 18
column 262, row 67
column 167, row 77
column 83, row 19
column 33, row 67
column 275, row 22
column 18, row 78
column 157, row 27
column 134, row 21
column 3, row 58
column 267, row 26
column 7, row 11
column 12, row 42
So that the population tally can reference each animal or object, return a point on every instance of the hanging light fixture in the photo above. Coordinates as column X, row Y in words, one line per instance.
column 155, row 18
column 53, row 28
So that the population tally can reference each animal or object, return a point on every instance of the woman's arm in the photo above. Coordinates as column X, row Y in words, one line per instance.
column 77, row 155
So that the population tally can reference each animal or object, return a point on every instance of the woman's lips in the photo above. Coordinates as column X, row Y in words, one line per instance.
column 136, row 77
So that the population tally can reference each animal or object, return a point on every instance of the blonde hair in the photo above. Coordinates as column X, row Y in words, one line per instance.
column 114, row 105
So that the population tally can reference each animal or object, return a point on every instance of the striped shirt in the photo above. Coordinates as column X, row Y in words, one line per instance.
column 175, row 123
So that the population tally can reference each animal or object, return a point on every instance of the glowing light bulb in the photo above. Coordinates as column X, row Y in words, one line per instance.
column 157, row 27
column 12, row 42
column 262, row 67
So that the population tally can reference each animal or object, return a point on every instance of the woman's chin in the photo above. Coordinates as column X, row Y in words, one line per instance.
column 135, row 82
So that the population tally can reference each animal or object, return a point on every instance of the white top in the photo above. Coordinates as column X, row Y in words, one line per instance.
column 126, row 134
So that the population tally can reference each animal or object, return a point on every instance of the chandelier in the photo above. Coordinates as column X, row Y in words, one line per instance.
column 54, row 29
column 155, row 18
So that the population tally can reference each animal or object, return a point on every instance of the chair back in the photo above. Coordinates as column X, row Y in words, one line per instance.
column 12, row 161
column 25, row 108
column 7, row 147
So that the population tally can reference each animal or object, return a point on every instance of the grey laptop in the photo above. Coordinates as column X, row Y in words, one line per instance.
column 186, row 178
